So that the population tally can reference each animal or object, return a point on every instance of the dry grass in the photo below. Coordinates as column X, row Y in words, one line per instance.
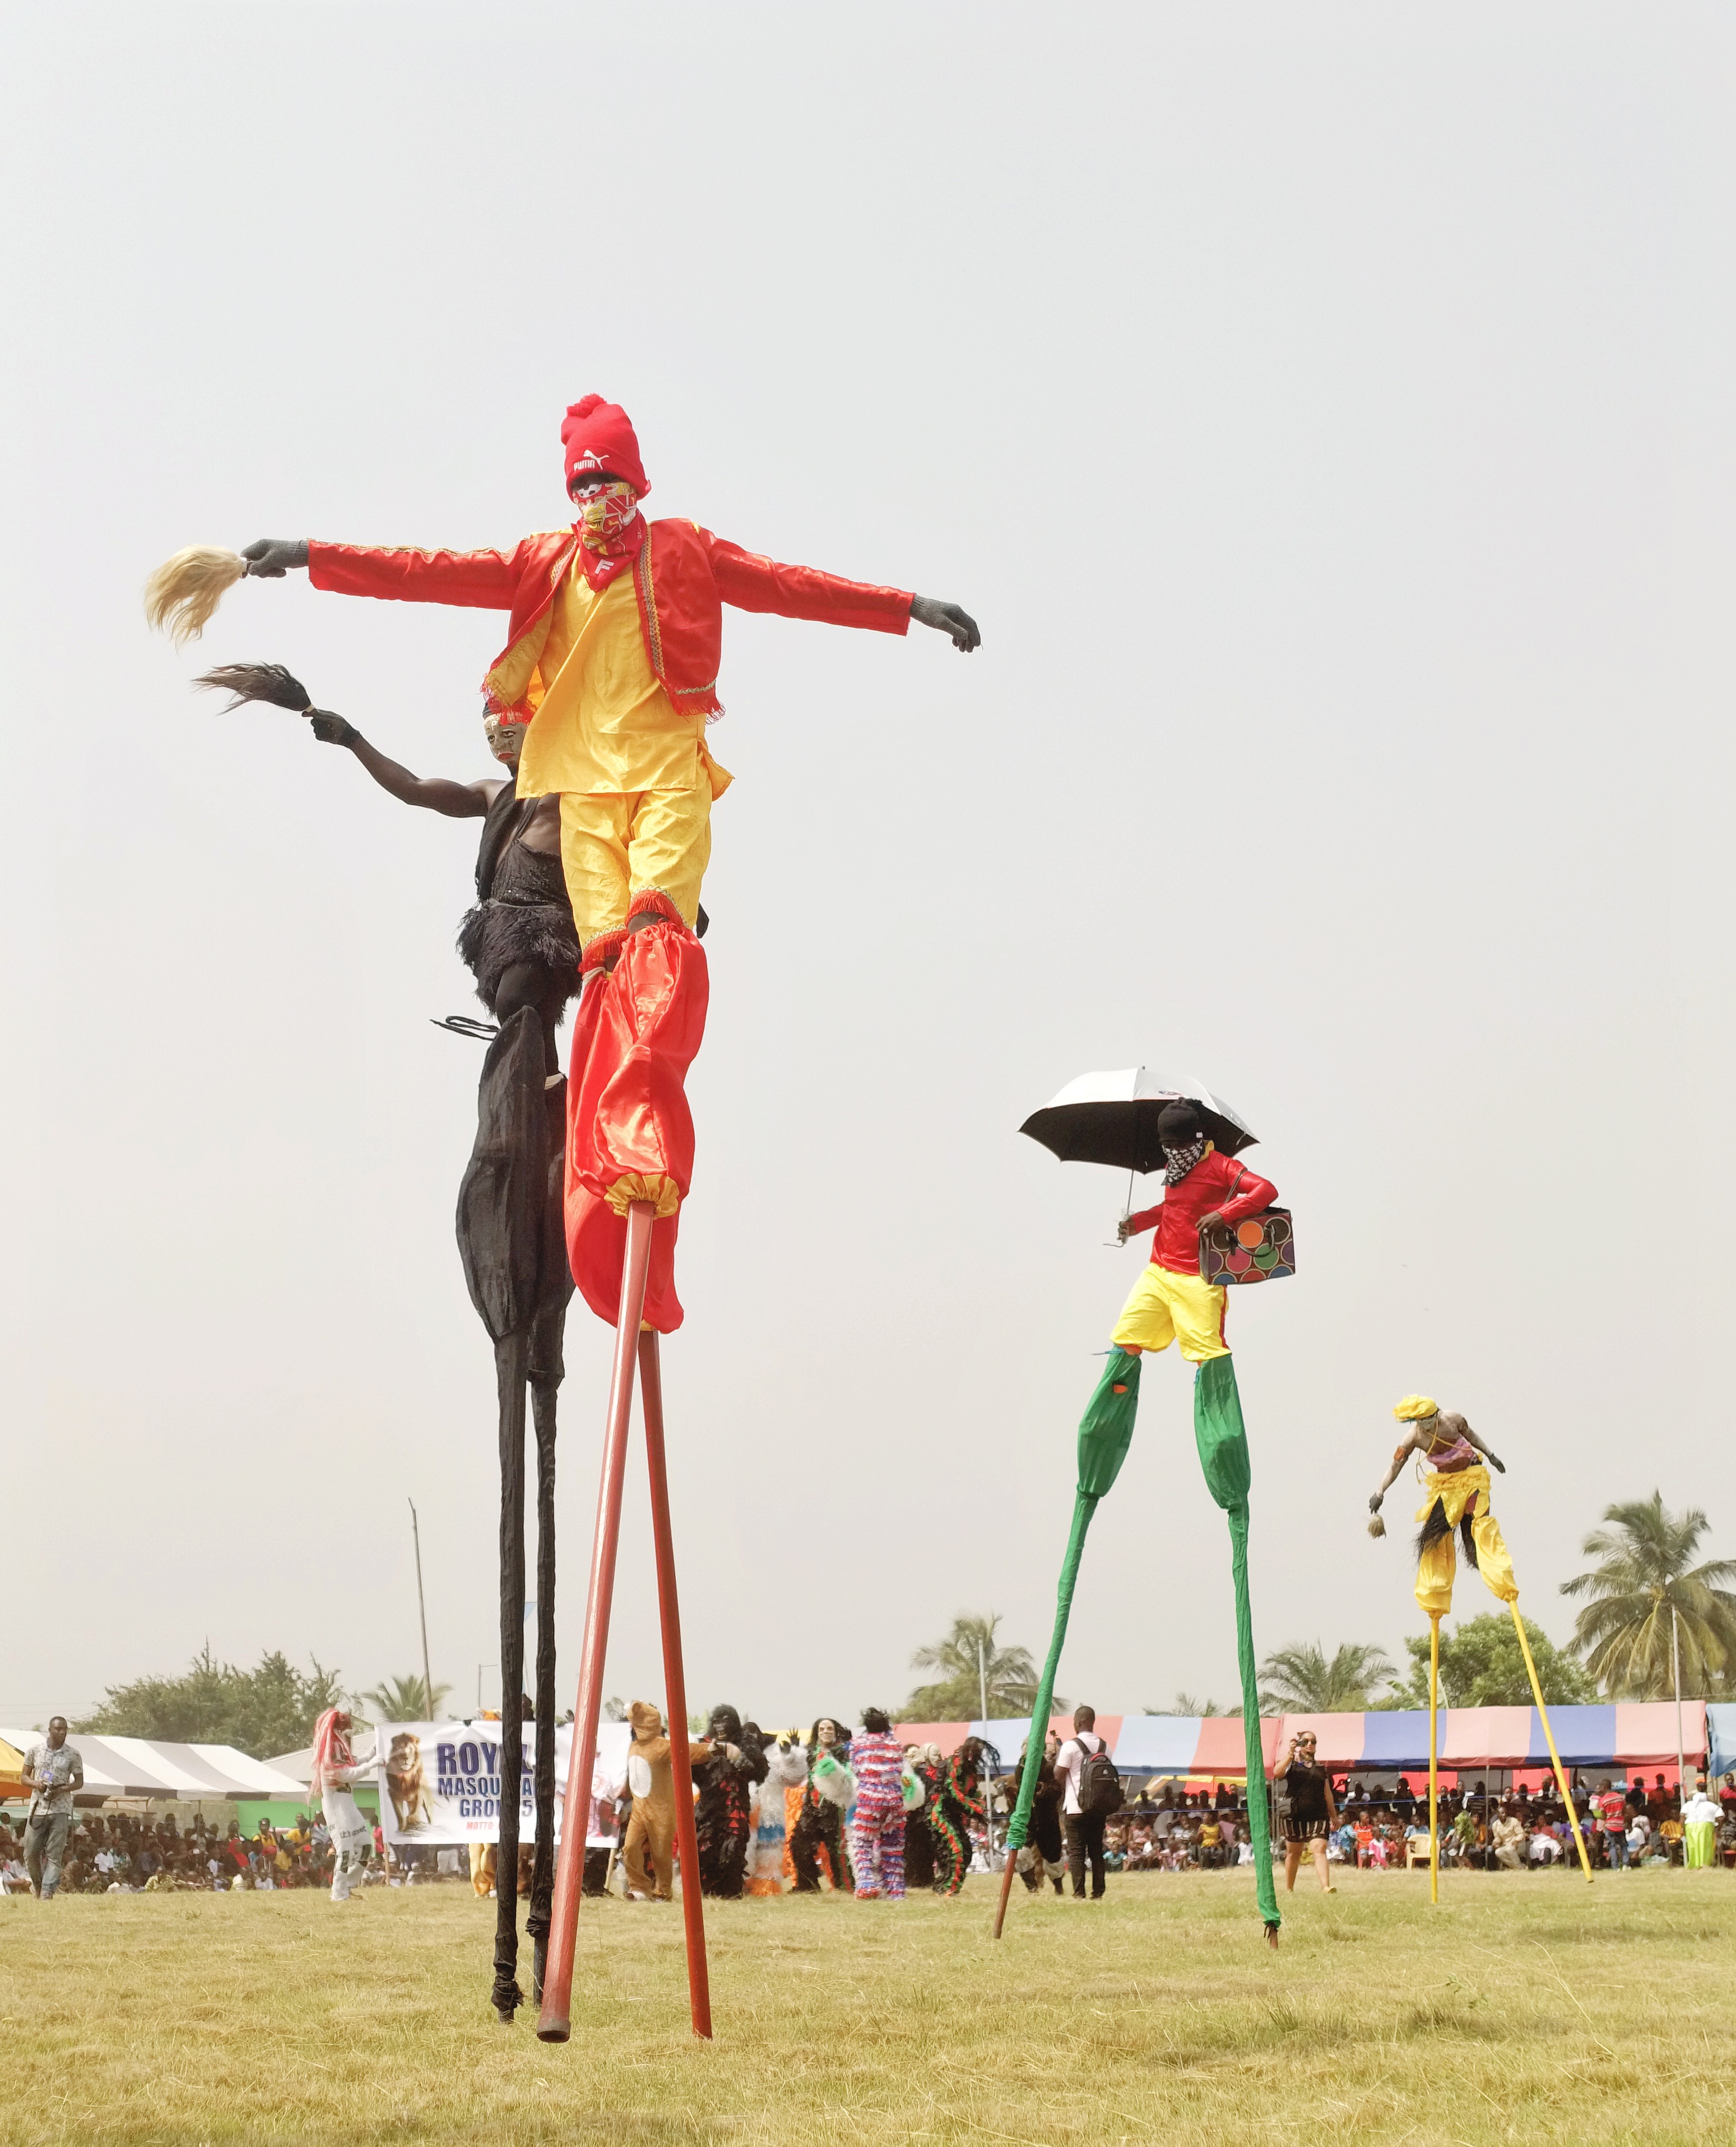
column 1525, row 2009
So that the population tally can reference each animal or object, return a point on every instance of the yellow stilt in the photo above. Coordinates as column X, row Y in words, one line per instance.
column 1561, row 1780
column 1434, row 1771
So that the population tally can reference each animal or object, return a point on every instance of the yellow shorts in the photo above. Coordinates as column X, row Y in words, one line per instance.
column 1164, row 1307
column 614, row 846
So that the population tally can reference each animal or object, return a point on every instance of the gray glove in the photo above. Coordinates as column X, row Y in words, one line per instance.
column 929, row 610
column 272, row 557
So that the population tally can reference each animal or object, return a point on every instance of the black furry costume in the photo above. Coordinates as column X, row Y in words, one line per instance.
column 821, row 1824
column 720, row 1817
column 918, row 1836
column 523, row 918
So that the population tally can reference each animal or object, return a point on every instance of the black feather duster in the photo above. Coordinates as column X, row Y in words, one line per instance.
column 259, row 682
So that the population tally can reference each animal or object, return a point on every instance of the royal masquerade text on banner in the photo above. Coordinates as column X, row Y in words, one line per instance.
column 439, row 1782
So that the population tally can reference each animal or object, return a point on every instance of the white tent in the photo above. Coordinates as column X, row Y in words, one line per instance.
column 140, row 1767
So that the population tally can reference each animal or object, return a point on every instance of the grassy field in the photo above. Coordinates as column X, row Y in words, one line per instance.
column 1527, row 2008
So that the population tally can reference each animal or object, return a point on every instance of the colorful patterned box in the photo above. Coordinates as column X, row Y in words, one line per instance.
column 1261, row 1248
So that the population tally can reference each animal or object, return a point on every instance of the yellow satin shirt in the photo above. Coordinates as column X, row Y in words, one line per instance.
column 604, row 725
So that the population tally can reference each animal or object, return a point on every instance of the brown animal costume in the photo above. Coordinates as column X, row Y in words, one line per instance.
column 651, row 1829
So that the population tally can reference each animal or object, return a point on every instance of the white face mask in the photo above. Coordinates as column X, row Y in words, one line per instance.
column 505, row 740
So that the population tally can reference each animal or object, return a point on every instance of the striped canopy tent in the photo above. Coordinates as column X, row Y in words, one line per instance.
column 1643, row 1733
column 139, row 1767
column 1210, row 1747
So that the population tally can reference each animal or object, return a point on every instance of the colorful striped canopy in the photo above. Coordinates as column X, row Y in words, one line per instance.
column 1640, row 1733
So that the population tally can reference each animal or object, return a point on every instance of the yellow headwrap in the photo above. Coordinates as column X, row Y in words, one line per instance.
column 1414, row 1408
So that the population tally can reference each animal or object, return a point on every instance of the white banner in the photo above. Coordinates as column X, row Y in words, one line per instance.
column 439, row 1782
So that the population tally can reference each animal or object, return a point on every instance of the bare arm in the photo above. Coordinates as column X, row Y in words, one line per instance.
column 1486, row 1451
column 437, row 793
column 1400, row 1456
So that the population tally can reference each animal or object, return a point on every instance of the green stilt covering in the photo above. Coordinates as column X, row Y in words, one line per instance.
column 1106, row 1430
column 1223, row 1442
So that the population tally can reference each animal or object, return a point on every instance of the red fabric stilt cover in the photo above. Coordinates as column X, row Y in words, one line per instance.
column 629, row 1131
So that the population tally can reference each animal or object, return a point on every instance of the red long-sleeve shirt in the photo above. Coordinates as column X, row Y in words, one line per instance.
column 1206, row 1188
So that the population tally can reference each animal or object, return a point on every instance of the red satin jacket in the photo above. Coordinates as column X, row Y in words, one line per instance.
column 1205, row 1189
column 683, row 577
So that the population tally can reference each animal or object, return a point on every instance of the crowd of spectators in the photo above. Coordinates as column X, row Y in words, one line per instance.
column 1164, row 1827
column 1623, row 1823
column 130, row 1852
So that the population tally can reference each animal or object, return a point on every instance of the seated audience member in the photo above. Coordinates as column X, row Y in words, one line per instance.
column 1507, row 1838
column 1544, row 1849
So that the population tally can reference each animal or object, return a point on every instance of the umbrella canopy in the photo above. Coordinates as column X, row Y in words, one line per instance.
column 1112, row 1118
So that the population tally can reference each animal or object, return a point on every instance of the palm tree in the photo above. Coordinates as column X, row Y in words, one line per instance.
column 966, row 1658
column 406, row 1699
column 1651, row 1617
column 1300, row 1680
column 1186, row 1704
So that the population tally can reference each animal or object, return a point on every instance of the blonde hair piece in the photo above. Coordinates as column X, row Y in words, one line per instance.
column 184, row 592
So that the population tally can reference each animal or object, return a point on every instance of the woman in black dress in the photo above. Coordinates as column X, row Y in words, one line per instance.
column 1311, row 1816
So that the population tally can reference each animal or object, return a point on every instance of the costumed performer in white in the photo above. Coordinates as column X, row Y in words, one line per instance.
column 336, row 1767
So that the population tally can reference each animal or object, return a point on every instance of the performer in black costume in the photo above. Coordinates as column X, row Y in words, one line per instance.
column 522, row 948
column 821, row 1826
column 918, row 1831
column 721, row 1818
column 1044, row 1855
column 961, row 1800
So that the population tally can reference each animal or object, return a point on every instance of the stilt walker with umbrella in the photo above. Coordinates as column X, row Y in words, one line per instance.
column 1215, row 1225
column 1449, row 1459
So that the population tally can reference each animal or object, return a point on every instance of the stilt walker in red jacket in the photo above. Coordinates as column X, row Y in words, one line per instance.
column 612, row 663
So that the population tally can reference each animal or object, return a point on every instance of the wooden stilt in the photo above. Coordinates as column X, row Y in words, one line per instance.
column 553, row 2022
column 1434, row 1770
column 1000, row 1912
column 1561, row 1780
column 675, row 1696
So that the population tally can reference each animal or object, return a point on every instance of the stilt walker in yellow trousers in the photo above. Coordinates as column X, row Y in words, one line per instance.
column 1449, row 1458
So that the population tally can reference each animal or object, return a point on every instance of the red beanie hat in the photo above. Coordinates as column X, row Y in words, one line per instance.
column 598, row 436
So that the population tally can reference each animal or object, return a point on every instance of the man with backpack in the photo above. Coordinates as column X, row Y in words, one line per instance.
column 1091, row 1794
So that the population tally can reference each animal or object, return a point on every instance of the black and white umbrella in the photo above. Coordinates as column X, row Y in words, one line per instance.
column 1112, row 1118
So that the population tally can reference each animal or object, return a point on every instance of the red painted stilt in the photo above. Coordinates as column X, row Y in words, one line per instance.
column 675, row 1695
column 553, row 2022
column 1000, row 1912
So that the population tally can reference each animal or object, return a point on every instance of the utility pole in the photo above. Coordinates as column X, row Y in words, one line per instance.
column 988, row 1780
column 1675, row 1667
column 427, row 1674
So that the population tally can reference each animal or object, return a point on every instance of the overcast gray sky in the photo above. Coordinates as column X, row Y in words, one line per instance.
column 1324, row 410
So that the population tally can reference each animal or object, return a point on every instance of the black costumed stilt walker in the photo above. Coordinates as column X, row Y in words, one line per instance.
column 519, row 944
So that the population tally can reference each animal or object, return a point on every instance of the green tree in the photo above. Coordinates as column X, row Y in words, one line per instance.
column 1642, row 1587
column 262, row 1711
column 406, row 1699
column 1481, row 1666
column 1301, row 1680
column 956, row 1695
column 1186, row 1704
